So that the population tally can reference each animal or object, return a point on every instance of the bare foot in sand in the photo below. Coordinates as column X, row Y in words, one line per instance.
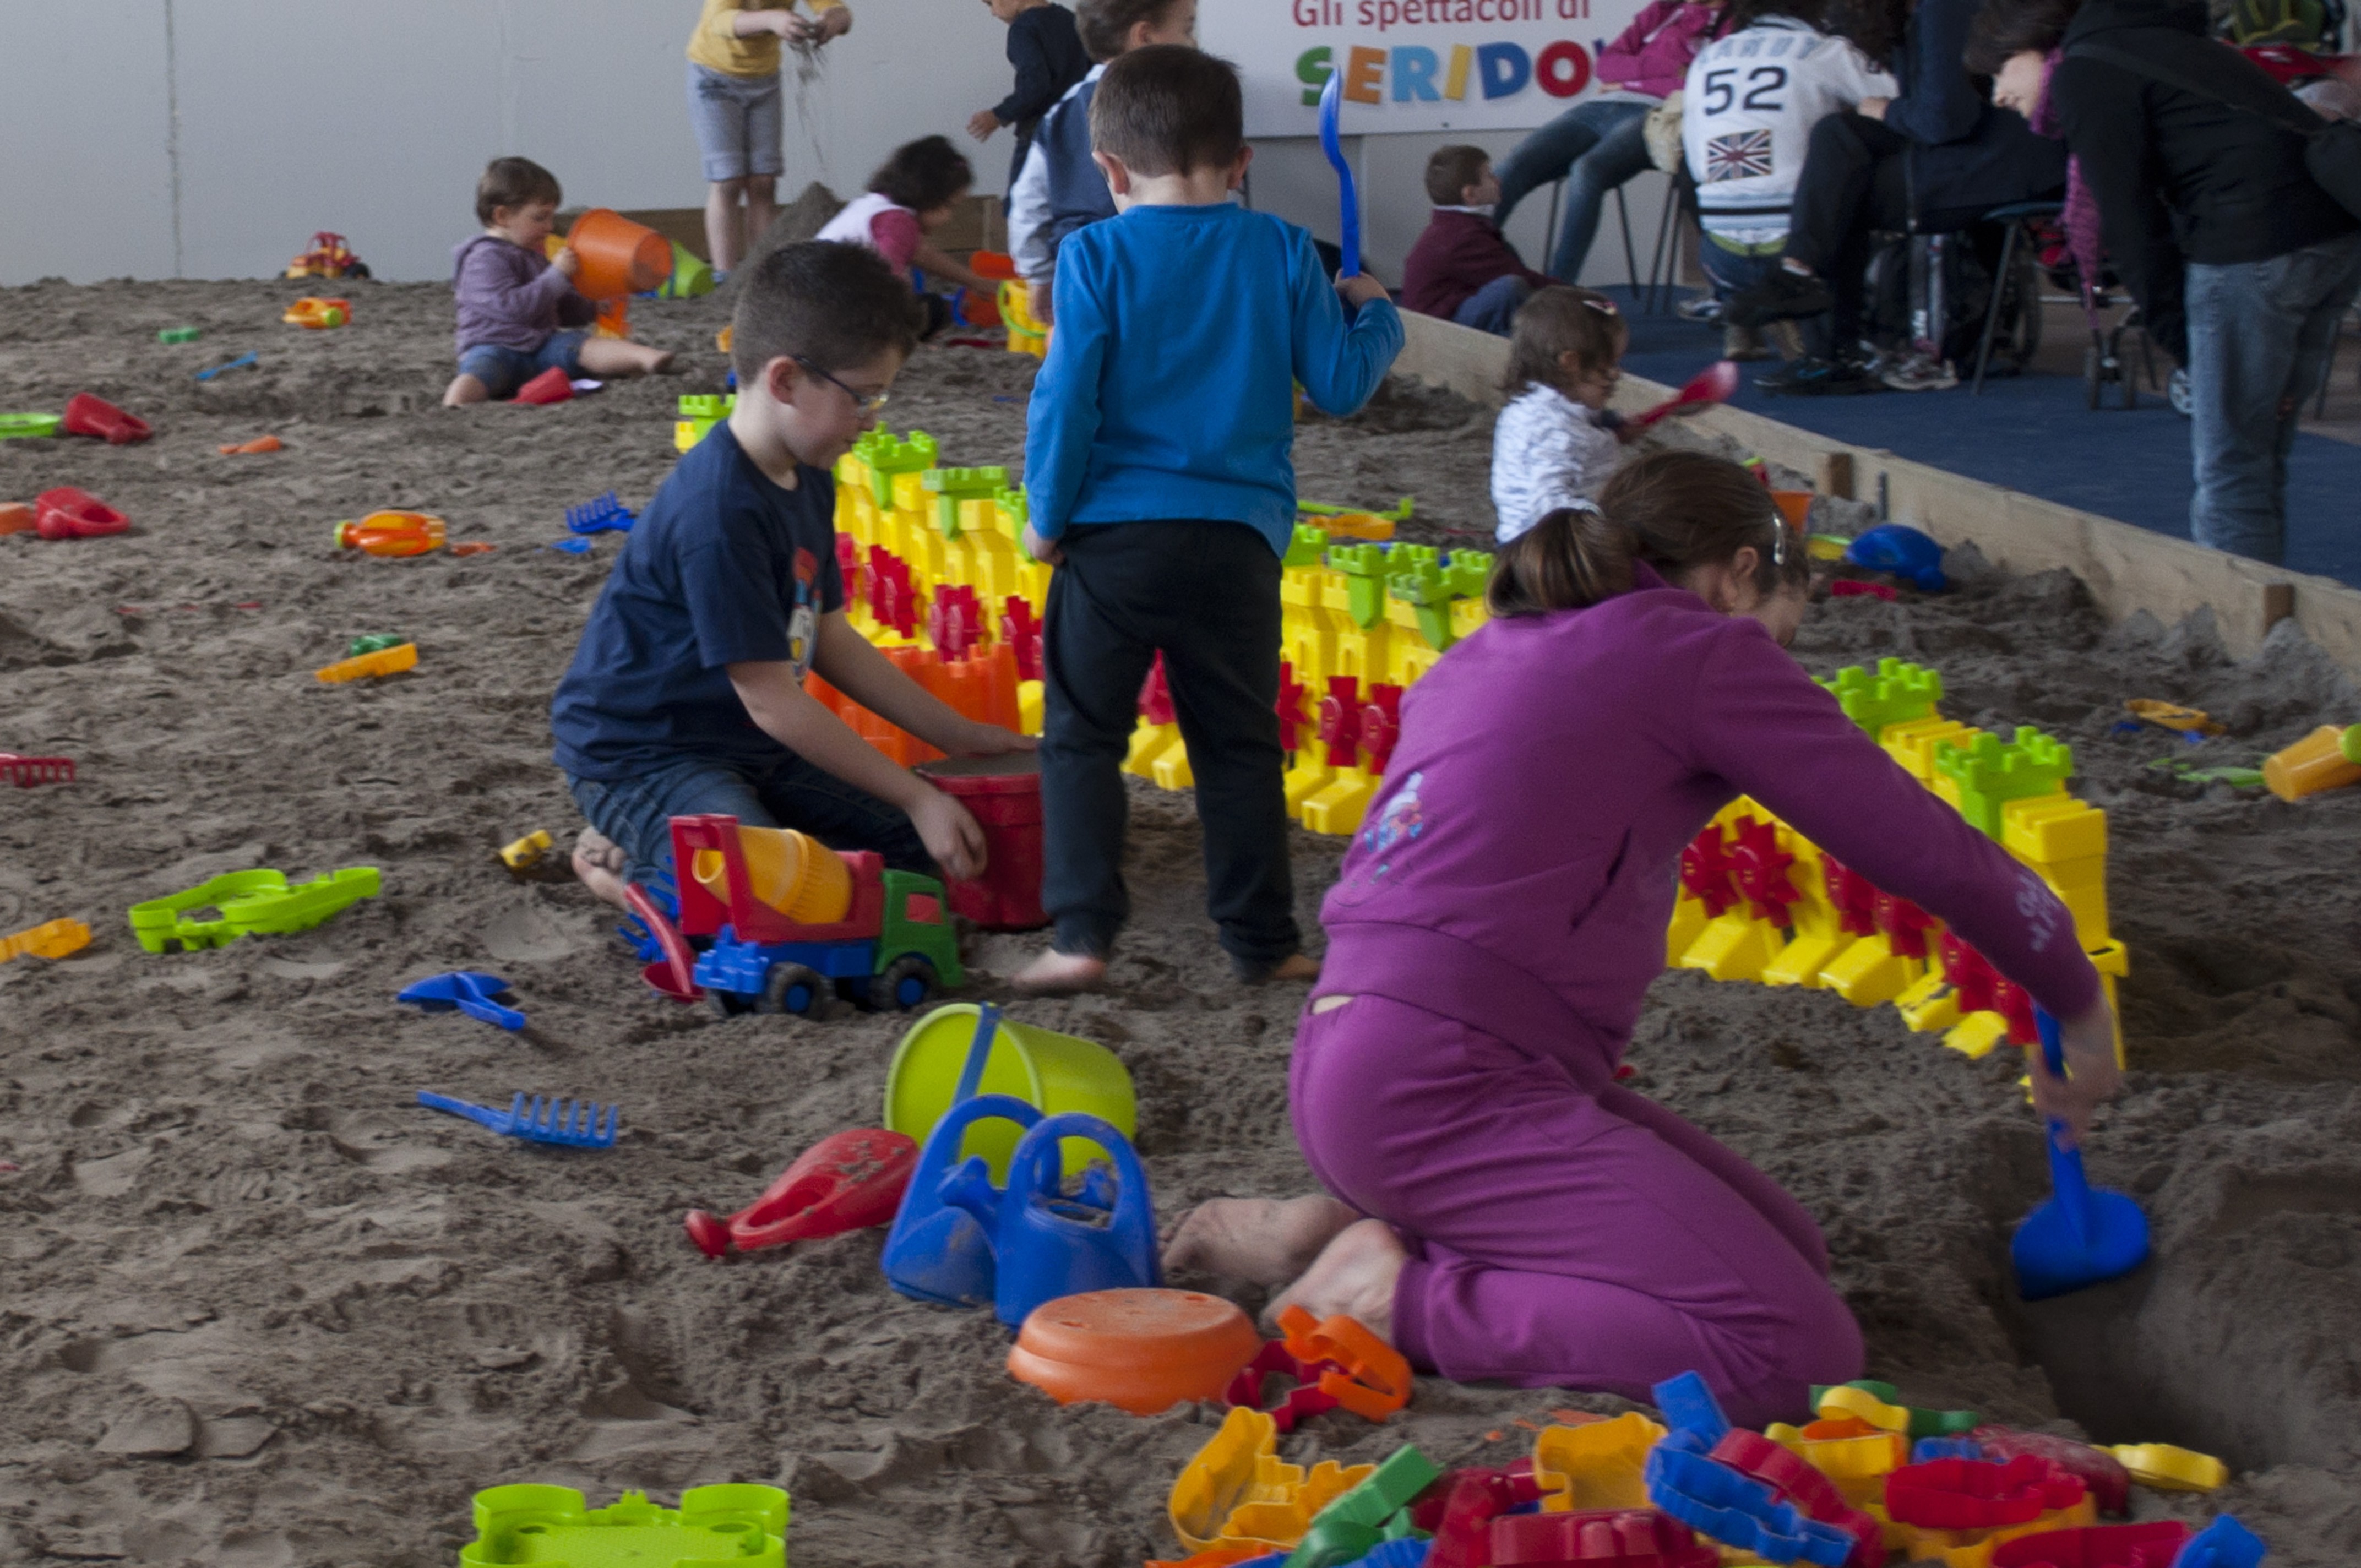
column 1265, row 1241
column 1061, row 974
column 600, row 862
column 1353, row 1275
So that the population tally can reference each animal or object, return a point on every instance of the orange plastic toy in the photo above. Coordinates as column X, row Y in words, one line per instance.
column 318, row 313
column 618, row 257
column 260, row 444
column 17, row 516
column 1373, row 1381
column 327, row 257
column 386, row 662
column 2328, row 758
column 980, row 687
column 391, row 533
column 55, row 939
column 1142, row 1351
column 1364, row 525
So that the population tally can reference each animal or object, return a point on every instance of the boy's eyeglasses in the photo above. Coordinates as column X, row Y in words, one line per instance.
column 867, row 402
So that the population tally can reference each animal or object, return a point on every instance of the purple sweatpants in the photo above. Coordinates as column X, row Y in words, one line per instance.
column 1561, row 1238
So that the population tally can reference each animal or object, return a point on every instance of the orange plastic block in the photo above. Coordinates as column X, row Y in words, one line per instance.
column 17, row 516
column 259, row 445
column 1375, row 1380
column 316, row 313
column 386, row 662
column 54, row 939
column 392, row 534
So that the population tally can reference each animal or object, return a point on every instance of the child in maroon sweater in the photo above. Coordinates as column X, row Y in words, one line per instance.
column 1460, row 269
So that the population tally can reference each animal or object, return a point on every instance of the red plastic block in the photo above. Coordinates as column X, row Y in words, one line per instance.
column 2109, row 1482
column 551, row 386
column 26, row 771
column 1705, row 871
column 1340, row 721
column 1380, row 725
column 70, row 513
column 1021, row 631
column 93, row 416
column 1461, row 1507
column 1797, row 1481
column 2096, row 1546
column 1981, row 989
column 1976, row 1494
column 1156, row 695
column 1853, row 896
column 1759, row 868
column 1611, row 1538
column 1905, row 926
column 1291, row 708
column 954, row 621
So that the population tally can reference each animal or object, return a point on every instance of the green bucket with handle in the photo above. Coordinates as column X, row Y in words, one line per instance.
column 1052, row 1071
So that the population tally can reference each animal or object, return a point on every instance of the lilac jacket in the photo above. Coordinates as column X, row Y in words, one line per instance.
column 1519, row 872
column 510, row 297
column 1653, row 54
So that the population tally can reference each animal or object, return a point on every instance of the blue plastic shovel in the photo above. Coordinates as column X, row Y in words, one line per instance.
column 2082, row 1235
column 1332, row 99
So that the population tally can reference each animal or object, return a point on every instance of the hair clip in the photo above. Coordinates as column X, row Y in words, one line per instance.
column 1778, row 540
column 1603, row 306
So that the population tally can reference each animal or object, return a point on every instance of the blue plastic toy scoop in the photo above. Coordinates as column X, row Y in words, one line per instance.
column 470, row 991
column 2082, row 1235
column 1332, row 100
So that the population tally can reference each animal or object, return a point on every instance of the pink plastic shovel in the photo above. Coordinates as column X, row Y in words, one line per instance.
column 1711, row 385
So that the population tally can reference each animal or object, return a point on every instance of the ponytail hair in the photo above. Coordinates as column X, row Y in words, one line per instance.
column 1675, row 511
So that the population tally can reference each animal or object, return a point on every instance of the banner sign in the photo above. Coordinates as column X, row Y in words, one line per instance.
column 1411, row 65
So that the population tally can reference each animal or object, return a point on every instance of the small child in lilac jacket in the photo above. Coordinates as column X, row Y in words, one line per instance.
column 1503, row 1208
column 518, row 313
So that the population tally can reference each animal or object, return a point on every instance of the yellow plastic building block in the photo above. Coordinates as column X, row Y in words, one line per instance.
column 2170, row 1469
column 1976, row 1036
column 1869, row 972
column 1172, row 771
column 1913, row 744
column 385, row 662
column 1595, row 1466
column 1238, row 1488
column 1858, row 1465
column 1149, row 742
column 1929, row 1004
column 1735, row 946
column 51, row 939
column 526, row 853
column 1859, row 1403
column 1340, row 805
column 1689, row 921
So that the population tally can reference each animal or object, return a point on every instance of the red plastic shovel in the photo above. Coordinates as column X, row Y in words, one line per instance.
column 88, row 415
column 847, row 1181
column 67, row 513
column 1711, row 385
column 551, row 386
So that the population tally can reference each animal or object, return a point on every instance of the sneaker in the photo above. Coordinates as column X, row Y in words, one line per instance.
column 1742, row 343
column 1918, row 371
column 1785, row 295
column 2180, row 395
column 1699, row 308
column 1810, row 377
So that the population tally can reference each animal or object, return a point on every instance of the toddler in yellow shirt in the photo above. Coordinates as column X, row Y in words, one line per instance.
column 733, row 101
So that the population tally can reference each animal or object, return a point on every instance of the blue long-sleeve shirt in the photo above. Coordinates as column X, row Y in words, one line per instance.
column 1168, row 389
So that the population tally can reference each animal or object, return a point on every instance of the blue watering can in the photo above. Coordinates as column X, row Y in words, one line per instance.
column 937, row 1253
column 1045, row 1244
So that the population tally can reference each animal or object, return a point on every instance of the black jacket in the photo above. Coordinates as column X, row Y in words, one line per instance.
column 1049, row 58
column 1964, row 154
column 2180, row 177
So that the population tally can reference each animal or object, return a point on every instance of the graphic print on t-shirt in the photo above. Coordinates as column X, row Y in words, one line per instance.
column 804, row 621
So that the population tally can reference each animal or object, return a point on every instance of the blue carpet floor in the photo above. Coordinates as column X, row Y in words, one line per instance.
column 2032, row 434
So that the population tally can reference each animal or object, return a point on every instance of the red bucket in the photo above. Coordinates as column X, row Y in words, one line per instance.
column 1004, row 794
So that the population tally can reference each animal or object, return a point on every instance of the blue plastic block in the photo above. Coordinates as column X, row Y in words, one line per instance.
column 2224, row 1543
column 1689, row 1406
column 569, row 546
column 1045, row 1244
column 1927, row 1449
column 1738, row 1510
column 606, row 514
column 469, row 991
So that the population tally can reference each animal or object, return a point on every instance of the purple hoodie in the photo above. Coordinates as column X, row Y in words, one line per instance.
column 510, row 297
column 1652, row 55
column 1520, row 869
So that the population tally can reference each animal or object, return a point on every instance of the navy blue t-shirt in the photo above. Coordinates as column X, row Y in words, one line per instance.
column 724, row 568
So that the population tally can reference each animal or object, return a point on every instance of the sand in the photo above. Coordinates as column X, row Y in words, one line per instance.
column 259, row 1309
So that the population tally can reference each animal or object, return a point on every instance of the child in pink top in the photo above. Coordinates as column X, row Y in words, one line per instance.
column 1494, row 930
column 913, row 193
column 1601, row 142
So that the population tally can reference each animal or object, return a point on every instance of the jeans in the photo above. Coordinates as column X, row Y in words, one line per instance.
column 1595, row 147
column 1206, row 596
column 637, row 812
column 2260, row 335
column 739, row 122
column 1493, row 308
column 503, row 370
column 1735, row 271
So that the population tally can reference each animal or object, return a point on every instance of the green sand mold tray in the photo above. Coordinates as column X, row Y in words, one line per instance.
column 715, row 1527
column 13, row 425
column 247, row 903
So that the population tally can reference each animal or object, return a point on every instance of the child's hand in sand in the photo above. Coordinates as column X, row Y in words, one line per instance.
column 1042, row 549
column 567, row 262
column 952, row 836
column 978, row 740
column 2092, row 1078
column 1361, row 289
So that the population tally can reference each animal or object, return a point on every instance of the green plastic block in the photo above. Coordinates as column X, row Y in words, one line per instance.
column 179, row 334
column 1305, row 547
column 1401, row 512
column 1923, row 1423
column 1406, row 560
column 16, row 426
column 1469, row 572
column 1366, row 566
column 1355, row 1524
column 377, row 643
column 1990, row 773
column 1428, row 590
column 1017, row 505
column 247, row 903
column 889, row 456
column 707, row 406
column 741, row 1525
column 1897, row 694
column 952, row 485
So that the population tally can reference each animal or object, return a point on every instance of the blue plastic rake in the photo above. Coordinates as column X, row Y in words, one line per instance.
column 572, row 1123
column 599, row 516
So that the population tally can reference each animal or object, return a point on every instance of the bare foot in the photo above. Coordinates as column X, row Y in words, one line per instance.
column 600, row 863
column 1061, row 974
column 466, row 389
column 1264, row 1241
column 1295, row 966
column 1353, row 1275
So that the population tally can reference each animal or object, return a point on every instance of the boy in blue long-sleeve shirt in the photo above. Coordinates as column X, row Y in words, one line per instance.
column 1157, row 469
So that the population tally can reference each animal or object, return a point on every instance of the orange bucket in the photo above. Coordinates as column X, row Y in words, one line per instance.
column 1794, row 506
column 618, row 257
column 2328, row 758
column 1142, row 1351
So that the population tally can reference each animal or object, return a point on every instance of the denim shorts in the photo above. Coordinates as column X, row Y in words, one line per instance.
column 502, row 370
column 636, row 813
column 738, row 123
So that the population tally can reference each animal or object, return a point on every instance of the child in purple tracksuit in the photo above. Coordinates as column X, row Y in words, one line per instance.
column 1498, row 921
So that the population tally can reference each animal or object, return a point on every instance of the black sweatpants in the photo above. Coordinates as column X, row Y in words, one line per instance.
column 1856, row 183
column 1206, row 596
